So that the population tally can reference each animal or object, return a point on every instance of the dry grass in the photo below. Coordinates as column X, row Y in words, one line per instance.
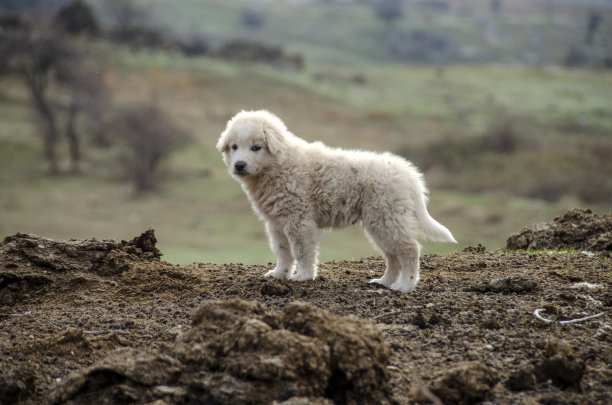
column 200, row 214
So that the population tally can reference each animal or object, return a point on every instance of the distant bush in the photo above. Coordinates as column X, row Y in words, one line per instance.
column 252, row 19
column 388, row 10
column 576, row 56
column 496, row 6
column 141, row 37
column 248, row 50
column 506, row 158
column 194, row 45
column 149, row 137
column 503, row 136
column 259, row 52
column 78, row 18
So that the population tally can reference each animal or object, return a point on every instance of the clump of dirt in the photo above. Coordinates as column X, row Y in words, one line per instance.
column 466, row 384
column 559, row 364
column 93, row 321
column 70, row 342
column 577, row 229
column 561, row 370
column 125, row 376
column 238, row 353
column 276, row 287
column 506, row 285
column 16, row 382
column 522, row 379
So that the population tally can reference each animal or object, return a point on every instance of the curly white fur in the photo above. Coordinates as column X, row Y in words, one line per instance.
column 298, row 187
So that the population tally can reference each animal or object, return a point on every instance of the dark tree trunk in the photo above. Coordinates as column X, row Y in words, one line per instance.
column 145, row 173
column 73, row 139
column 592, row 25
column 44, row 111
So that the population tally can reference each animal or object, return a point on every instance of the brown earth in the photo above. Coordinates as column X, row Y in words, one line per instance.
column 577, row 229
column 106, row 322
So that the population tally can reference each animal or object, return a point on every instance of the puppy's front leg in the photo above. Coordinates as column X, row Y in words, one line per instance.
column 303, row 239
column 282, row 249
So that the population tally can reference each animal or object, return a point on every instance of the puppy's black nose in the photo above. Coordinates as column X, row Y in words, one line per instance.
column 240, row 166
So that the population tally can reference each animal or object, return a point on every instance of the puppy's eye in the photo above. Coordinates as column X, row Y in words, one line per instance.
column 255, row 148
column 234, row 147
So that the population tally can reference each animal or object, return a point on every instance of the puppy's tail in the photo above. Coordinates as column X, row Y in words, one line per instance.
column 432, row 229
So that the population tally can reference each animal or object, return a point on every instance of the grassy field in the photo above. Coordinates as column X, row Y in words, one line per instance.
column 200, row 213
column 325, row 33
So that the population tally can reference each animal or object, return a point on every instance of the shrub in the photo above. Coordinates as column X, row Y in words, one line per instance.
column 252, row 19
column 150, row 137
column 78, row 18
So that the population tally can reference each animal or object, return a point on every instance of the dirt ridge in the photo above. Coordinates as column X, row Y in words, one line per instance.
column 98, row 321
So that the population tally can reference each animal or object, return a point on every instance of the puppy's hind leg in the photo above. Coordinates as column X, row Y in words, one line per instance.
column 409, row 261
column 282, row 249
column 392, row 271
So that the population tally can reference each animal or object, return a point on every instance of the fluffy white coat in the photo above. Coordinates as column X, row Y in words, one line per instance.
column 298, row 188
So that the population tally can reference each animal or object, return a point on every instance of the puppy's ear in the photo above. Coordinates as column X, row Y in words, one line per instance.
column 222, row 144
column 275, row 140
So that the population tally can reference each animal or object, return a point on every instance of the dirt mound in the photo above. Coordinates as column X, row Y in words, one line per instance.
column 104, row 321
column 102, row 257
column 237, row 352
column 31, row 261
column 577, row 229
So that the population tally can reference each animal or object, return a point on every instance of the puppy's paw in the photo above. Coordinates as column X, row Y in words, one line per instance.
column 278, row 273
column 403, row 286
column 381, row 281
column 302, row 277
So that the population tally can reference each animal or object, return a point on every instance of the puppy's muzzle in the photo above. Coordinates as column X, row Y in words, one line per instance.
column 240, row 167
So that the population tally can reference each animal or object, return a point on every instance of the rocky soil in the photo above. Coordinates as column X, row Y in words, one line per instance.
column 109, row 322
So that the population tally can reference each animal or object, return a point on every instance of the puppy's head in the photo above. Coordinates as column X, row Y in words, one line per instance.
column 252, row 142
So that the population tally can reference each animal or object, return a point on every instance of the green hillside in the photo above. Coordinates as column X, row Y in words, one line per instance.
column 501, row 145
column 449, row 31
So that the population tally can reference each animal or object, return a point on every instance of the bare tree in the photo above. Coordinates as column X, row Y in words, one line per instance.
column 36, row 54
column 78, row 17
column 593, row 24
column 44, row 58
column 84, row 88
column 150, row 137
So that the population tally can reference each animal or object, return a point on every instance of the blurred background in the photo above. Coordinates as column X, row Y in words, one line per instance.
column 110, row 111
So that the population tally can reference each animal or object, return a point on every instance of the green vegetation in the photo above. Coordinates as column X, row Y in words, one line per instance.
column 352, row 94
column 200, row 213
column 328, row 33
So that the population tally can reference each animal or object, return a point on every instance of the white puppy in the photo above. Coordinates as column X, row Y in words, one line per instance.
column 298, row 188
